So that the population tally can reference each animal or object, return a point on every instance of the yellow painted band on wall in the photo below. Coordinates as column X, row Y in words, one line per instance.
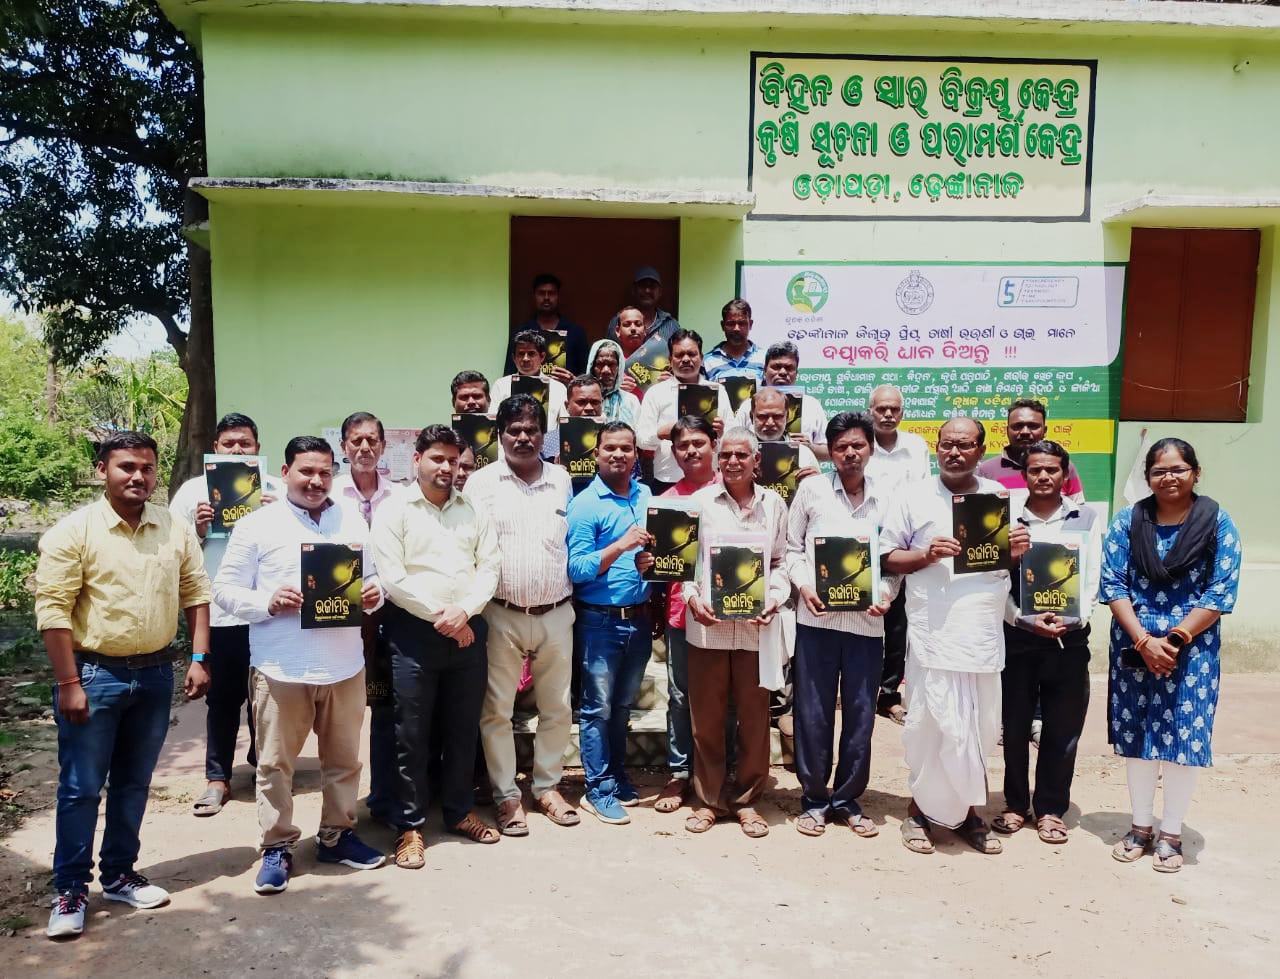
column 1075, row 434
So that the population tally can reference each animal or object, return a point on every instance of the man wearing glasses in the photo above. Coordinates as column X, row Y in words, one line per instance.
column 955, row 631
column 363, row 488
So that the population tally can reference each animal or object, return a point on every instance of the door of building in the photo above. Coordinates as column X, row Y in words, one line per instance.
column 595, row 260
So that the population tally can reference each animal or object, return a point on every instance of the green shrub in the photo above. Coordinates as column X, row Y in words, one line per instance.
column 37, row 461
column 16, row 569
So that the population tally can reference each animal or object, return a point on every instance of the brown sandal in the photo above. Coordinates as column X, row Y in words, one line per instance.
column 1051, row 829
column 701, row 820
column 671, row 798
column 556, row 809
column 862, row 825
column 751, row 822
column 475, row 830
column 1009, row 822
column 975, row 832
column 511, row 818
column 810, row 825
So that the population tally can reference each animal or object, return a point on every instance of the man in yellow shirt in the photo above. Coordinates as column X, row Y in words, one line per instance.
column 111, row 579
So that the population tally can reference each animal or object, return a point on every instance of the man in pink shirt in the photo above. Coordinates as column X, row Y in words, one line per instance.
column 1027, row 426
column 693, row 443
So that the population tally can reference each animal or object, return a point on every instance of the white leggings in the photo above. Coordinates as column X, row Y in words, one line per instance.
column 1179, row 784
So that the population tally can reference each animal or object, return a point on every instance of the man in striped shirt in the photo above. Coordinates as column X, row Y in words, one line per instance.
column 531, row 613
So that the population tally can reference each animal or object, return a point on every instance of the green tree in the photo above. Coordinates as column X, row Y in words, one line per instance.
column 101, row 127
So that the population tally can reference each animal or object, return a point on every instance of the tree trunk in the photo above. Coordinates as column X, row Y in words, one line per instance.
column 199, row 418
column 51, row 388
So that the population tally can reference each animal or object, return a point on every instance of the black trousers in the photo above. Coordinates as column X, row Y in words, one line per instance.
column 1036, row 668
column 828, row 661
column 228, row 694
column 438, row 687
column 895, row 653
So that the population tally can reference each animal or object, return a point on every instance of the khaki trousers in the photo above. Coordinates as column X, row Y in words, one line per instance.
column 284, row 714
column 548, row 640
column 713, row 675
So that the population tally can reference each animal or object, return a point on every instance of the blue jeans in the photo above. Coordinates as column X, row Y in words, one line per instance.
column 679, row 724
column 119, row 745
column 614, row 655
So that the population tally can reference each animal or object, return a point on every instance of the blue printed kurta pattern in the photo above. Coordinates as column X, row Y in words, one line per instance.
column 1168, row 718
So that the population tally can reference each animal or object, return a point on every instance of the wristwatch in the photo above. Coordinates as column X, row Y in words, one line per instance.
column 198, row 657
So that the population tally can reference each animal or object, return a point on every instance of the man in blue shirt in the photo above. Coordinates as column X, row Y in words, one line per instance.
column 606, row 538
column 737, row 356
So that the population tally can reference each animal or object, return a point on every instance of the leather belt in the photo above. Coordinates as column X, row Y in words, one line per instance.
column 616, row 611
column 531, row 609
column 139, row 662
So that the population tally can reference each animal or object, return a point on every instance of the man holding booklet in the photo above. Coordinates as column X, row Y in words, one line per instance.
column 833, row 558
column 1047, row 644
column 529, row 352
column 734, row 639
column 662, row 406
column 304, row 681
column 955, row 631
column 235, row 439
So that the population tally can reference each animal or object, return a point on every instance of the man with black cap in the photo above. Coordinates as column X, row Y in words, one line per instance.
column 646, row 292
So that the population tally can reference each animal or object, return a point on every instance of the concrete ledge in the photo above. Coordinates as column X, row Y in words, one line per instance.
column 1093, row 17
column 516, row 199
column 1190, row 211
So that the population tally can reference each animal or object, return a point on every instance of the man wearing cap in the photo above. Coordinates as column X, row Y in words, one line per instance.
column 646, row 292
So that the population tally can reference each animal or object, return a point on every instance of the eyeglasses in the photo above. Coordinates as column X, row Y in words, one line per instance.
column 958, row 446
column 1178, row 471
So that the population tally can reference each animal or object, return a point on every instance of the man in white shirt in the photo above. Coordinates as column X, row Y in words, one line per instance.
column 364, row 488
column 838, row 653
column 235, row 434
column 781, row 369
column 439, row 562
column 1047, row 655
column 955, row 630
column 531, row 613
column 767, row 420
column 725, row 655
column 899, row 459
column 658, row 411
column 301, row 681
column 529, row 352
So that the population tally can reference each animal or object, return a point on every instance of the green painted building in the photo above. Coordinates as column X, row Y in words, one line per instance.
column 385, row 176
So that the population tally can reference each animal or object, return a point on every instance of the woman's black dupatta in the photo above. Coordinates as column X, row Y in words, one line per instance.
column 1197, row 540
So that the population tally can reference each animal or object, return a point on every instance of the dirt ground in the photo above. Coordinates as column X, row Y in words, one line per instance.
column 649, row 899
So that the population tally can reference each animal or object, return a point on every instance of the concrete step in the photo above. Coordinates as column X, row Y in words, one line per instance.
column 653, row 689
column 646, row 742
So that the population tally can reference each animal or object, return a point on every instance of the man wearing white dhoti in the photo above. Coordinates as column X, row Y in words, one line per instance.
column 955, row 646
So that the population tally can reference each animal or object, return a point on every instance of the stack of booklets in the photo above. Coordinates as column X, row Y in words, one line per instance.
column 737, row 575
column 331, row 584
column 1051, row 572
column 779, row 465
column 739, row 390
column 674, row 525
column 535, row 386
column 557, row 351
column 234, row 484
column 980, row 522
column 846, row 571
column 702, row 400
column 578, row 438
column 481, row 433
column 649, row 361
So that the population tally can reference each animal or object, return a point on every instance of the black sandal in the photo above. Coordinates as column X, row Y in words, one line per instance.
column 1132, row 845
column 1166, row 851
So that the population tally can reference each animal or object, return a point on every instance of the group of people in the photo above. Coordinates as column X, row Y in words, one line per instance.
column 481, row 585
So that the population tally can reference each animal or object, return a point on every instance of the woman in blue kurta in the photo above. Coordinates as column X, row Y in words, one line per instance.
column 1170, row 570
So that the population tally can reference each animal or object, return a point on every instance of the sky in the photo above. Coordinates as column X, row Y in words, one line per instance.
column 142, row 337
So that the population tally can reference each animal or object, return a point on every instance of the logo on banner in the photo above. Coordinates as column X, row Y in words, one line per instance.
column 807, row 292
column 914, row 293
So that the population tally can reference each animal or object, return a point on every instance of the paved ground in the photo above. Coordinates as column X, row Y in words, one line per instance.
column 647, row 898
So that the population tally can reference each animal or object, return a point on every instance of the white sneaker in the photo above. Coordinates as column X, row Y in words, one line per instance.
column 136, row 890
column 66, row 920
